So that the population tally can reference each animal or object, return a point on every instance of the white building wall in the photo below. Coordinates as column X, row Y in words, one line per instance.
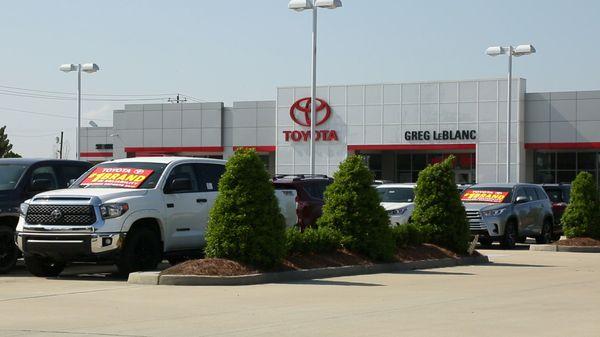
column 380, row 114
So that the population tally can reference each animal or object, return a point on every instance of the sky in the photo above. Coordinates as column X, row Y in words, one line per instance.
column 244, row 49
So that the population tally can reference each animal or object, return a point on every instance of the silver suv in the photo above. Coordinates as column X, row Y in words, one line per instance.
column 508, row 213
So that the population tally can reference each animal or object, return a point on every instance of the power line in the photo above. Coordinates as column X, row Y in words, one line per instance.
column 51, row 115
column 65, row 98
column 84, row 94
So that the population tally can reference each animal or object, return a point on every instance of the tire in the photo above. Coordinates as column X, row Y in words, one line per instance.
column 8, row 250
column 485, row 242
column 142, row 252
column 546, row 235
column 43, row 267
column 521, row 239
column 509, row 239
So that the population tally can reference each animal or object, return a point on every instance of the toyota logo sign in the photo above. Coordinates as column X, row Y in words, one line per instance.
column 56, row 214
column 300, row 111
column 300, row 114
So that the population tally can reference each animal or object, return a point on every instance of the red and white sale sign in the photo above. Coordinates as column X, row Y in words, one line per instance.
column 484, row 196
column 124, row 177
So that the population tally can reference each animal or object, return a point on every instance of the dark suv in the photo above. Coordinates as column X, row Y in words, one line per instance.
column 559, row 194
column 310, row 189
column 21, row 179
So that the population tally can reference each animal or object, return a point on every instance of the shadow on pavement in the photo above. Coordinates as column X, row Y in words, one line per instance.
column 432, row 272
column 503, row 264
column 519, row 246
column 335, row 283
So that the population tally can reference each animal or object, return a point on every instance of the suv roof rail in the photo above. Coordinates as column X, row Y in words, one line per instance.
column 300, row 176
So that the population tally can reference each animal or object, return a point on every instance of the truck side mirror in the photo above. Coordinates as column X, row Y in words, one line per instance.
column 179, row 185
column 40, row 185
column 521, row 199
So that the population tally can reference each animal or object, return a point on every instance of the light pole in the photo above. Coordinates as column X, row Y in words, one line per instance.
column 88, row 68
column 300, row 5
column 521, row 50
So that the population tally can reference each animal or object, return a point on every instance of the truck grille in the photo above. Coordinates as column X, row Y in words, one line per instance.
column 475, row 222
column 83, row 215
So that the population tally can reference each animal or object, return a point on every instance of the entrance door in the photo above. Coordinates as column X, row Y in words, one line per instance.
column 463, row 176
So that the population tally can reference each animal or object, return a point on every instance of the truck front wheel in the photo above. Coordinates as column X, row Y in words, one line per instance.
column 43, row 267
column 8, row 251
column 142, row 252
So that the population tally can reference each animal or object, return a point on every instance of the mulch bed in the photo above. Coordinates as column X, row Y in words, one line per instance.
column 579, row 242
column 341, row 257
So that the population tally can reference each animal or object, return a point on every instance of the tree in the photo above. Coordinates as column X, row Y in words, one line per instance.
column 352, row 206
column 581, row 218
column 439, row 212
column 6, row 146
column 245, row 223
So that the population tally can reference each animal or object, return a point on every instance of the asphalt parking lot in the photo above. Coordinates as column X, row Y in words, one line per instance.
column 521, row 293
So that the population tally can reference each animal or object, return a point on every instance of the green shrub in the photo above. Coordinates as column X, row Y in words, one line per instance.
column 245, row 223
column 581, row 218
column 439, row 212
column 352, row 207
column 313, row 240
column 407, row 235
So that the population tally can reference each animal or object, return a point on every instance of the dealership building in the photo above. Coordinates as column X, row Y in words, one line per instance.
column 400, row 128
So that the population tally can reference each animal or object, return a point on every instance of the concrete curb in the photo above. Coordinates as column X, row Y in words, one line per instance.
column 154, row 278
column 571, row 249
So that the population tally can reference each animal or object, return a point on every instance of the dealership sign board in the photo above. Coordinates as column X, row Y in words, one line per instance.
column 440, row 135
column 300, row 114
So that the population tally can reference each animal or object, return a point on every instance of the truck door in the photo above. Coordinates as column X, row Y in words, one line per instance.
column 208, row 184
column 184, row 213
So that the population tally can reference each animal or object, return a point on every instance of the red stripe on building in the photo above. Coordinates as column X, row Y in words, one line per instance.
column 174, row 149
column 96, row 154
column 262, row 148
column 562, row 146
column 413, row 147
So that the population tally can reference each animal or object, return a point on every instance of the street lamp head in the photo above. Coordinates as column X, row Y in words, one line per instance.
column 524, row 49
column 300, row 5
column 68, row 67
column 330, row 4
column 93, row 124
column 90, row 67
column 494, row 51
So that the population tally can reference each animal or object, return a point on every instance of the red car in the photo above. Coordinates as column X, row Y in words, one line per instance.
column 309, row 199
column 559, row 196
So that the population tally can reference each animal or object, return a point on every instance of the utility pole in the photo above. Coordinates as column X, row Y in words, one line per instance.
column 177, row 99
column 60, row 152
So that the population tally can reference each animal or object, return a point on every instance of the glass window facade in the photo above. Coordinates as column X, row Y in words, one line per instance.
column 406, row 166
column 563, row 167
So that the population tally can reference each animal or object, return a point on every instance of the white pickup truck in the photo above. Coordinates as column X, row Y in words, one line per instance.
column 133, row 212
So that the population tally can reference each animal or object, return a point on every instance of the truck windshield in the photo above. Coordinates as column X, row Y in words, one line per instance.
column 10, row 175
column 396, row 194
column 487, row 194
column 133, row 175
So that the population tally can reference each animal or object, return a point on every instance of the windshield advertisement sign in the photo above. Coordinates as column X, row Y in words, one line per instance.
column 484, row 196
column 117, row 177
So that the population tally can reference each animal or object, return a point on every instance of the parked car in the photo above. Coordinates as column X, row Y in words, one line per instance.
column 131, row 212
column 508, row 213
column 21, row 179
column 378, row 182
column 309, row 190
column 398, row 201
column 560, row 195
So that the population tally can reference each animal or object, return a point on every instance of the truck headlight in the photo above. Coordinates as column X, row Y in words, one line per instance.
column 23, row 209
column 398, row 211
column 109, row 211
column 494, row 212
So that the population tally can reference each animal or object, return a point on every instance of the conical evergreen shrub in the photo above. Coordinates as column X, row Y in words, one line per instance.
column 245, row 223
column 582, row 216
column 439, row 212
column 352, row 206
